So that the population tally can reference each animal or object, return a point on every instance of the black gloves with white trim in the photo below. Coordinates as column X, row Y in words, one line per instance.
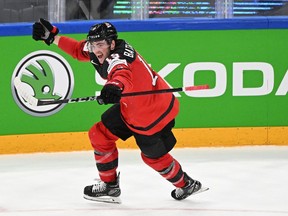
column 44, row 30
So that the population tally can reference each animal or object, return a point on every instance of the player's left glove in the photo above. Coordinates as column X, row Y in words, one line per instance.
column 44, row 30
column 111, row 93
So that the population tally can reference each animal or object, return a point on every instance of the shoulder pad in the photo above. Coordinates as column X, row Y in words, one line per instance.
column 114, row 62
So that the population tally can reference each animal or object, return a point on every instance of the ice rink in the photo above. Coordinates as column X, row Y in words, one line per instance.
column 246, row 181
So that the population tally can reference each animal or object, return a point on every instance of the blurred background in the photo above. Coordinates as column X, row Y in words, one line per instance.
column 66, row 10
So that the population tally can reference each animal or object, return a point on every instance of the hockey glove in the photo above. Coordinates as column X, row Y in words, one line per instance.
column 111, row 93
column 44, row 30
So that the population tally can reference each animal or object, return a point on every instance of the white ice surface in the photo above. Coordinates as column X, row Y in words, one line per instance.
column 244, row 181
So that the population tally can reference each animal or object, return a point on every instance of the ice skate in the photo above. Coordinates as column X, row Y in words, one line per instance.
column 191, row 187
column 103, row 192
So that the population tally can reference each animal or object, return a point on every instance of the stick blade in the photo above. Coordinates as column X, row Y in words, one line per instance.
column 21, row 91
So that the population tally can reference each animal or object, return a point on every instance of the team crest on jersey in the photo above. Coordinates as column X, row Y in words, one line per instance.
column 47, row 76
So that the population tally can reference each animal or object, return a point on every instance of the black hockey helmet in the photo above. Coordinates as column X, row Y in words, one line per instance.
column 102, row 31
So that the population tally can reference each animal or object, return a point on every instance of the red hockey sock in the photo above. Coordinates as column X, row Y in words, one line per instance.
column 168, row 167
column 105, row 151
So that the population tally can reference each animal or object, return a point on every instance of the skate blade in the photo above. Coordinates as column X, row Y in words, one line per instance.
column 105, row 199
column 202, row 189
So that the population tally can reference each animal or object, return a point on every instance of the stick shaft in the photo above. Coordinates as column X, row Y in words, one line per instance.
column 160, row 91
column 93, row 98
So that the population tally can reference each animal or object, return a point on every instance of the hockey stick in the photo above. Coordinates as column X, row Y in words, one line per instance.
column 36, row 102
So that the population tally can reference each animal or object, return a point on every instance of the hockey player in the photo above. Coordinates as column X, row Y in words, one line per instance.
column 148, row 118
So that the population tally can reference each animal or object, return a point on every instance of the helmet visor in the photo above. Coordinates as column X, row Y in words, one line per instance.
column 97, row 45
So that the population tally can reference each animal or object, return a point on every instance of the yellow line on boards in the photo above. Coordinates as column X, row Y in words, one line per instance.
column 186, row 137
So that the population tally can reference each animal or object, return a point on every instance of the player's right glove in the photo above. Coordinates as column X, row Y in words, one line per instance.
column 44, row 30
column 111, row 93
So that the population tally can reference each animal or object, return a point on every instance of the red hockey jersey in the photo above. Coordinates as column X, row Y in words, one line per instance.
column 142, row 114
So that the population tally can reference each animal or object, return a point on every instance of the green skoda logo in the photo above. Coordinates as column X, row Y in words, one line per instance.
column 46, row 76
